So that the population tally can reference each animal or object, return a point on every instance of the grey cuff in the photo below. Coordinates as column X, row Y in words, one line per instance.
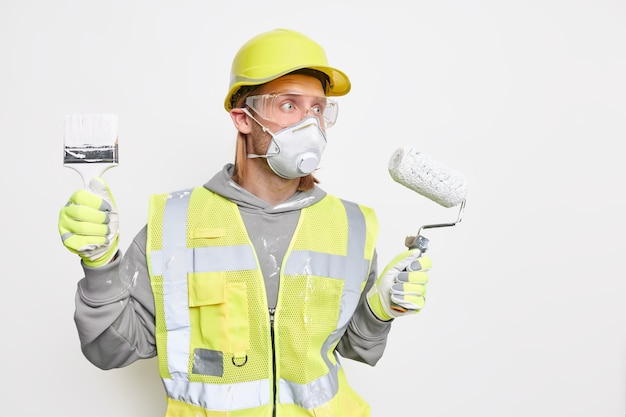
column 102, row 285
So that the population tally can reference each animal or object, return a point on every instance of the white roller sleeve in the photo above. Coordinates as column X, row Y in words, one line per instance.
column 421, row 173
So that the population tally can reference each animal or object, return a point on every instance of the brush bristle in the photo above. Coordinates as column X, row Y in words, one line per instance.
column 90, row 130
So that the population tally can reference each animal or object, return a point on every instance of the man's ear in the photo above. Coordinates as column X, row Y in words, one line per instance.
column 241, row 120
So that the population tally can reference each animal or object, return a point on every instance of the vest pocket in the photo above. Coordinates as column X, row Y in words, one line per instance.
column 206, row 288
column 220, row 329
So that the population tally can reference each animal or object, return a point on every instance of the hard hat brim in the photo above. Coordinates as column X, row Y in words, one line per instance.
column 339, row 83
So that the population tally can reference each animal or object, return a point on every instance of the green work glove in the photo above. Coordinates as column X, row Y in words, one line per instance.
column 401, row 287
column 88, row 224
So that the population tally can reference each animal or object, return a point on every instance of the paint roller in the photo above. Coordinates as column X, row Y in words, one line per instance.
column 428, row 177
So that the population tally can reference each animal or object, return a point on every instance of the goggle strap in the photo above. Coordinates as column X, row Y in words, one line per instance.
column 266, row 130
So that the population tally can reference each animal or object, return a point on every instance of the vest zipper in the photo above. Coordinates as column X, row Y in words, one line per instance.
column 272, row 311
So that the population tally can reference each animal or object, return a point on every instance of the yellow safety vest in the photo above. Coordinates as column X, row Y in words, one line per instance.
column 221, row 352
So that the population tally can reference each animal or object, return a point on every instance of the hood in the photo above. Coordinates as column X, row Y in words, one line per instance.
column 223, row 185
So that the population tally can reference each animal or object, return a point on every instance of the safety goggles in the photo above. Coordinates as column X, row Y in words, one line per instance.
column 286, row 109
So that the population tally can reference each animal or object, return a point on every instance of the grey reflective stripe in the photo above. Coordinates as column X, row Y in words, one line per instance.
column 210, row 259
column 358, row 266
column 353, row 269
column 313, row 394
column 220, row 397
column 175, row 293
column 224, row 258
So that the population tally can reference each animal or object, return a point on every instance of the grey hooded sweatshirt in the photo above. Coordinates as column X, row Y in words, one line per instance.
column 115, row 305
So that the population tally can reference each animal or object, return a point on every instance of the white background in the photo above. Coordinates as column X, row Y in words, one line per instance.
column 525, row 313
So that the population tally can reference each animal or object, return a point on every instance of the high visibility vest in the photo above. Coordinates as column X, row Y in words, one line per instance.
column 221, row 352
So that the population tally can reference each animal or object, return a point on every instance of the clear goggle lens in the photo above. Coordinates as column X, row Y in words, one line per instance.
column 286, row 109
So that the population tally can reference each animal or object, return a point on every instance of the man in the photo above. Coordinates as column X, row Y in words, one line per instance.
column 250, row 287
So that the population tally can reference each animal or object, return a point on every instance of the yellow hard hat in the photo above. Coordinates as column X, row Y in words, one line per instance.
column 278, row 52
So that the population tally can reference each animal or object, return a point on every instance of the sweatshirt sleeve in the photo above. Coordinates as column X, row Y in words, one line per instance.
column 114, row 312
column 366, row 336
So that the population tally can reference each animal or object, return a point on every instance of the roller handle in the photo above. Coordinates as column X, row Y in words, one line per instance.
column 421, row 242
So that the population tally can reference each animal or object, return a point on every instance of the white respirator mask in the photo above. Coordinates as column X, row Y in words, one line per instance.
column 296, row 150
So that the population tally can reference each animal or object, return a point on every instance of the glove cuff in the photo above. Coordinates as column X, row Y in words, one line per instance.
column 376, row 305
column 104, row 259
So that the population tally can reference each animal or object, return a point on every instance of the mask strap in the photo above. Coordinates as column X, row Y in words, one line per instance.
column 253, row 155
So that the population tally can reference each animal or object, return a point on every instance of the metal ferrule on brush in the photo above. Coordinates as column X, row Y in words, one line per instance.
column 90, row 154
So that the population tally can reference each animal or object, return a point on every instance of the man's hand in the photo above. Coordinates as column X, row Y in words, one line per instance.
column 88, row 224
column 401, row 288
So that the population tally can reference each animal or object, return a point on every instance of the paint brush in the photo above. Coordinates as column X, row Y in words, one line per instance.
column 90, row 144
